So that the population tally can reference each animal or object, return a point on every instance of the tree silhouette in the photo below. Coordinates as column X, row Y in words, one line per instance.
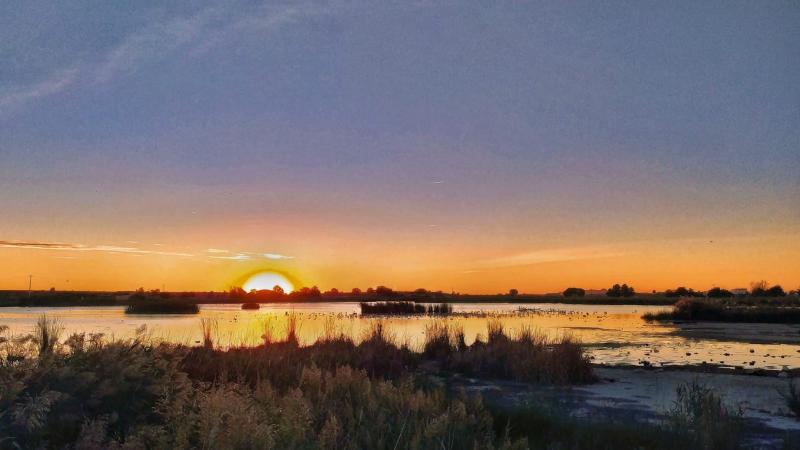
column 574, row 292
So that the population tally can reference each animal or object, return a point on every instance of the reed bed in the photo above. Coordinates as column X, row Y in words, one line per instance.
column 162, row 307
column 527, row 356
column 719, row 310
column 402, row 308
column 88, row 393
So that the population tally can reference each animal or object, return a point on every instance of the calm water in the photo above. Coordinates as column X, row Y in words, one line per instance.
column 613, row 334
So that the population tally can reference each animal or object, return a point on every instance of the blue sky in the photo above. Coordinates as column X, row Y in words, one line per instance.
column 537, row 124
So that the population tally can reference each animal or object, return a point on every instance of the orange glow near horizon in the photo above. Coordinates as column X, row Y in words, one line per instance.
column 354, row 258
column 268, row 280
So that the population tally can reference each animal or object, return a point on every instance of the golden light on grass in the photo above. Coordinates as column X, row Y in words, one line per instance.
column 268, row 280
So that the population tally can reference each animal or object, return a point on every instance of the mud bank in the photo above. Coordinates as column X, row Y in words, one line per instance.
column 639, row 395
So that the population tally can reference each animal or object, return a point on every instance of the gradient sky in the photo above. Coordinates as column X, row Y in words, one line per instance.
column 468, row 146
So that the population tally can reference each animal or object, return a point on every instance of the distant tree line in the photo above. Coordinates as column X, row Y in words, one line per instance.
column 757, row 289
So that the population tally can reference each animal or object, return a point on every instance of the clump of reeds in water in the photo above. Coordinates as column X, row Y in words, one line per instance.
column 46, row 334
column 210, row 328
column 251, row 305
column 720, row 310
column 527, row 356
column 404, row 308
column 162, row 307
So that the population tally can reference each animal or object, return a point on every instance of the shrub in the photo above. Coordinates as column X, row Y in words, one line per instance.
column 251, row 305
column 574, row 292
column 701, row 416
column 792, row 397
column 529, row 356
column 620, row 291
column 682, row 292
column 719, row 310
column 134, row 394
column 719, row 293
column 404, row 308
column 162, row 307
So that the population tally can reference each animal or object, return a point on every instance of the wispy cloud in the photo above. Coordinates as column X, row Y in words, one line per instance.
column 550, row 256
column 236, row 257
column 192, row 35
column 55, row 83
column 216, row 250
column 276, row 256
column 153, row 43
column 34, row 245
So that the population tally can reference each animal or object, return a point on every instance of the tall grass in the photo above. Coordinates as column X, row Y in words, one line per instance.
column 210, row 328
column 267, row 330
column 404, row 308
column 90, row 393
column 162, row 307
column 529, row 356
column 700, row 416
column 719, row 310
column 291, row 329
column 46, row 334
column 792, row 397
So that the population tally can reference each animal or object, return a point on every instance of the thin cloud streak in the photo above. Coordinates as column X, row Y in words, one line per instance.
column 237, row 257
column 85, row 248
column 194, row 34
column 55, row 83
column 550, row 256
column 277, row 256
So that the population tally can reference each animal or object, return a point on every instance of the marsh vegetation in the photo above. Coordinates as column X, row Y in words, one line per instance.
column 762, row 310
column 162, row 307
column 404, row 308
column 90, row 392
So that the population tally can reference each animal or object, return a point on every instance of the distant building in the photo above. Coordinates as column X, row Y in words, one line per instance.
column 739, row 291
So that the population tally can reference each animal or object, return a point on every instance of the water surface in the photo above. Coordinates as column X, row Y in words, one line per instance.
column 613, row 334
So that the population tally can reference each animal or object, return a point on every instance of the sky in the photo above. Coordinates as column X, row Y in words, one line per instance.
column 458, row 146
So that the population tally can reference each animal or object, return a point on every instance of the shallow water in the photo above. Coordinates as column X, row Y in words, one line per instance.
column 613, row 334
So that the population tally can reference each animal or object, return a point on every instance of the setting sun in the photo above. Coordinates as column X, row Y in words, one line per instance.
column 268, row 280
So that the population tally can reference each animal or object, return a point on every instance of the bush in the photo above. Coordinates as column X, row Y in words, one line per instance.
column 760, row 289
column 701, row 416
column 719, row 293
column 404, row 308
column 574, row 292
column 792, row 398
column 682, row 292
column 721, row 311
column 162, row 307
column 529, row 356
column 620, row 291
column 133, row 394
column 251, row 305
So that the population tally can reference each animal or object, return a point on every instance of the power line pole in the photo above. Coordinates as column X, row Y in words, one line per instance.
column 30, row 283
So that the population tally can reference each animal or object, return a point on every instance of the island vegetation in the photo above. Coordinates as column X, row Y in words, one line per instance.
column 162, row 307
column 720, row 310
column 404, row 308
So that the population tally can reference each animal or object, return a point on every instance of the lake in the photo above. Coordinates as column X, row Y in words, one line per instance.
column 612, row 334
